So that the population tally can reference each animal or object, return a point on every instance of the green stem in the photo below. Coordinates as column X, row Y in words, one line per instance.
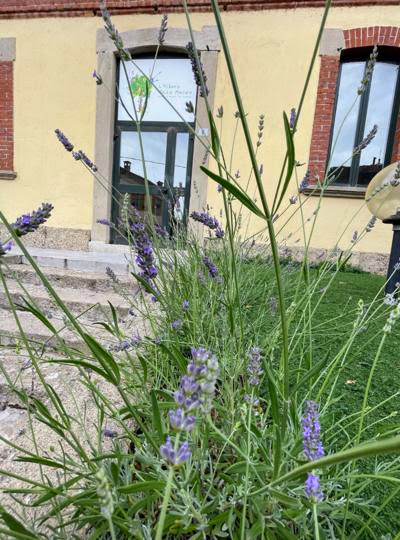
column 167, row 494
column 315, row 516
column 246, row 478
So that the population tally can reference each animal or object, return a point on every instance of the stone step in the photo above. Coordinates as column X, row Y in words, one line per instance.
column 80, row 261
column 37, row 333
column 93, row 304
column 88, row 281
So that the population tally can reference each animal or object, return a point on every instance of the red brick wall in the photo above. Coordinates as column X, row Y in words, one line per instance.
column 74, row 8
column 323, row 115
column 326, row 93
column 6, row 116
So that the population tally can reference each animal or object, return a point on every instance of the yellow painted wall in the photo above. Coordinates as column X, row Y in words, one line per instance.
column 53, row 88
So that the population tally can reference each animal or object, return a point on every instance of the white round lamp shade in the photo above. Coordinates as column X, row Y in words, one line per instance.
column 383, row 195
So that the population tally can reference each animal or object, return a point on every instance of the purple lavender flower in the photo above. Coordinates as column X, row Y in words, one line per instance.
column 144, row 250
column 64, row 140
column 98, row 78
column 176, row 325
column 106, row 222
column 198, row 70
column 81, row 156
column 292, row 120
column 219, row 188
column 252, row 400
column 305, row 182
column 185, row 305
column 5, row 247
column 212, row 269
column 161, row 231
column 209, row 221
column 196, row 391
column 219, row 233
column 111, row 274
column 126, row 343
column 197, row 387
column 313, row 449
column 175, row 457
column 312, row 445
column 293, row 199
column 30, row 222
column 254, row 369
column 179, row 421
column 163, row 29
column 312, row 488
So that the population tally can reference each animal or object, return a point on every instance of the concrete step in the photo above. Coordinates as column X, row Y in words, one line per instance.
column 37, row 332
column 80, row 261
column 92, row 303
column 89, row 281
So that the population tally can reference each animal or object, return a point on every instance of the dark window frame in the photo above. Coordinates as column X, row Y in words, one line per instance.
column 172, row 129
column 386, row 54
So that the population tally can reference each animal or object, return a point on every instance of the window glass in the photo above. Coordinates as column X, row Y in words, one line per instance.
column 154, row 149
column 181, row 156
column 346, row 116
column 172, row 76
column 380, row 105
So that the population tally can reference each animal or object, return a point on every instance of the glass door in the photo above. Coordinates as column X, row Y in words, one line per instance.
column 165, row 137
column 167, row 158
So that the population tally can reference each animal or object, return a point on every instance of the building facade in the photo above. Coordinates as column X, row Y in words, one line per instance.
column 49, row 49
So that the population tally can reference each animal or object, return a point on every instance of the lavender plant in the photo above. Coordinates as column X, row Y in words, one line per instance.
column 246, row 446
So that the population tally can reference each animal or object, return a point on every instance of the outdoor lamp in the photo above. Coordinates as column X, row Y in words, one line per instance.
column 383, row 201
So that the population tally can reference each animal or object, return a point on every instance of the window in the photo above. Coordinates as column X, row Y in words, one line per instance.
column 7, row 57
column 354, row 119
column 166, row 138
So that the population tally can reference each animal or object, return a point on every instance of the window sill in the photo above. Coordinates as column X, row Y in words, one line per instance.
column 8, row 175
column 349, row 192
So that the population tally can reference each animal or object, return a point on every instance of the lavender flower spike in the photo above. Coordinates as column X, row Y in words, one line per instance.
column 305, row 182
column 144, row 250
column 5, row 247
column 312, row 445
column 175, row 457
column 185, row 305
column 313, row 449
column 180, row 421
column 209, row 221
column 106, row 222
column 212, row 269
column 254, row 369
column 312, row 488
column 293, row 116
column 176, row 325
column 30, row 222
column 64, row 140
column 98, row 78
column 81, row 156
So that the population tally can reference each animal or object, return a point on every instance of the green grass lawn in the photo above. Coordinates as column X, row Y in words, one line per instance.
column 332, row 324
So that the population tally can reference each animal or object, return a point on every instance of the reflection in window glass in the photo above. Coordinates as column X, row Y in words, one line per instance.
column 138, row 202
column 181, row 156
column 380, row 105
column 131, row 166
column 346, row 116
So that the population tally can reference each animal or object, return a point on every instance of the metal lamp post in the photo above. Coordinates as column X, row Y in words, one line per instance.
column 383, row 201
